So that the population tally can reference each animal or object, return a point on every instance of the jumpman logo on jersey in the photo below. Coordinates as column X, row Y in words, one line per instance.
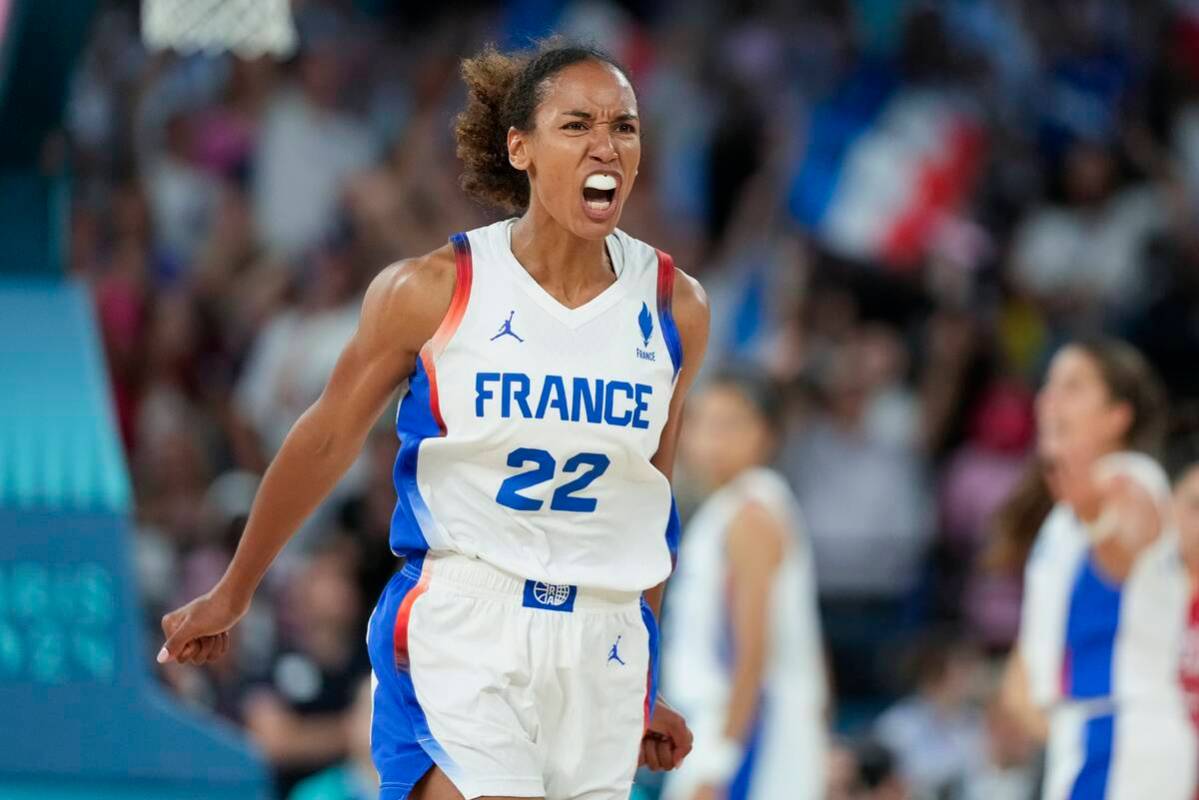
column 506, row 329
column 614, row 654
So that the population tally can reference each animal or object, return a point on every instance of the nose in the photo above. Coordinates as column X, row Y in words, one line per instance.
column 603, row 149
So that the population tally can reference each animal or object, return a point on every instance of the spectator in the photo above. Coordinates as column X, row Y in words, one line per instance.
column 308, row 147
column 937, row 733
column 297, row 712
column 355, row 778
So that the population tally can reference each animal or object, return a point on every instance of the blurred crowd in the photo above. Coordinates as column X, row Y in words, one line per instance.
column 898, row 208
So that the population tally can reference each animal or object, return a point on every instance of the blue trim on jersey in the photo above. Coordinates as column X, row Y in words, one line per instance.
column 674, row 530
column 651, row 628
column 670, row 332
column 1091, row 781
column 739, row 787
column 412, row 522
column 1092, row 623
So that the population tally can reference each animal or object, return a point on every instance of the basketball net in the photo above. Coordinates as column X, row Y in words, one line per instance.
column 249, row 28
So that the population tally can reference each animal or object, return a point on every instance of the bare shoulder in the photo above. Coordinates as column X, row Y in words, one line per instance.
column 407, row 300
column 690, row 301
column 757, row 532
column 689, row 306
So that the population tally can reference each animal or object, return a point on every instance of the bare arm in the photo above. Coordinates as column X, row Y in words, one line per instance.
column 1016, row 698
column 1117, row 503
column 691, row 315
column 668, row 741
column 755, row 546
column 401, row 311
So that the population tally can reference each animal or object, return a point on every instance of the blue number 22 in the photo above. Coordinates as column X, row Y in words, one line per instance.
column 542, row 471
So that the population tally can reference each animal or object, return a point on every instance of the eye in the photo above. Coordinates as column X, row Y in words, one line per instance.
column 575, row 126
column 626, row 127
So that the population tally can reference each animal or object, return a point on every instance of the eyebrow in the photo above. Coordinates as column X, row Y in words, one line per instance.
column 588, row 116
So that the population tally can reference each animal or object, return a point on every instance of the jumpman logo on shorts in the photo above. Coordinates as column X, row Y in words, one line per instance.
column 506, row 329
column 614, row 654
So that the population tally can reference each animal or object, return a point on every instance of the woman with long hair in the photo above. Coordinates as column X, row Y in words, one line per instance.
column 1096, row 664
column 542, row 363
column 744, row 656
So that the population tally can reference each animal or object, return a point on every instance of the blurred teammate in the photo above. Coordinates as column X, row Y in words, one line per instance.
column 1186, row 516
column 1105, row 592
column 543, row 363
column 744, row 657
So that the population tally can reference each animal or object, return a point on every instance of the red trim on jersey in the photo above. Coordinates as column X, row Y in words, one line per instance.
column 649, row 688
column 1188, row 668
column 450, row 322
column 670, row 331
column 399, row 636
column 665, row 279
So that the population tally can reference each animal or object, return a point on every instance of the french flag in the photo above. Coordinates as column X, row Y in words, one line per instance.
column 883, row 167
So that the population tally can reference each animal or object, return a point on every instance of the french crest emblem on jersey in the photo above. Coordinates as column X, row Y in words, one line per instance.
column 645, row 320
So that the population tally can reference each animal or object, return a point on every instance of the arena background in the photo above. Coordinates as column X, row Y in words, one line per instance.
column 898, row 208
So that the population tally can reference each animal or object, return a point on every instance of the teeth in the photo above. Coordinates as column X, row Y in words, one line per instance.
column 602, row 182
column 598, row 205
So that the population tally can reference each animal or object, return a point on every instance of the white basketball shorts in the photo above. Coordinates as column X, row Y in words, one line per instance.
column 509, row 686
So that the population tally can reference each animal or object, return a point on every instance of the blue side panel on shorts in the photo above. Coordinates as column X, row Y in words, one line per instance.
column 395, row 748
column 402, row 746
column 742, row 783
column 651, row 627
column 411, row 521
column 1091, row 783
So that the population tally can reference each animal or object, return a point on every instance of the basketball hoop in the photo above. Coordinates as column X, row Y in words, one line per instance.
column 249, row 28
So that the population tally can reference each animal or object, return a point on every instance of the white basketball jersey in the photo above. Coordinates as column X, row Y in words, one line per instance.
column 1103, row 659
column 527, row 427
column 787, row 742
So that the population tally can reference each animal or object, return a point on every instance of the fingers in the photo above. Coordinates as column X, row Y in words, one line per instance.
column 178, row 637
column 200, row 650
column 207, row 645
column 665, row 752
column 649, row 748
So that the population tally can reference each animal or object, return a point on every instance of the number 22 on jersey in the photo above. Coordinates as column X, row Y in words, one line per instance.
column 589, row 465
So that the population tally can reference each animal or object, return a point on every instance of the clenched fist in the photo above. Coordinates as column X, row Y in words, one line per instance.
column 199, row 631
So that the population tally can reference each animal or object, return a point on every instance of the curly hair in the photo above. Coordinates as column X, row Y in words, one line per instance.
column 503, row 90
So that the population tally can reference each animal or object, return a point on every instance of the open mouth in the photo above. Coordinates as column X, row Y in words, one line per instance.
column 599, row 199
column 599, row 192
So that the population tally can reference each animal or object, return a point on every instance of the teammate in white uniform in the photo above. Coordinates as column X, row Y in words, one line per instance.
column 1105, row 590
column 744, row 658
column 542, row 363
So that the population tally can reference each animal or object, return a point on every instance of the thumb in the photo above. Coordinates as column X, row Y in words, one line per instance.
column 175, row 642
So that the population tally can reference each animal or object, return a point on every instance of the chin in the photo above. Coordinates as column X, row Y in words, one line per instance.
column 587, row 228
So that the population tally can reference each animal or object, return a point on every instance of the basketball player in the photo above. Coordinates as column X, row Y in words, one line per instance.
column 743, row 655
column 1105, row 591
column 543, row 362
column 1186, row 516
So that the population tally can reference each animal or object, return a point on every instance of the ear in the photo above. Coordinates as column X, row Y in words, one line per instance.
column 518, row 149
column 1121, row 417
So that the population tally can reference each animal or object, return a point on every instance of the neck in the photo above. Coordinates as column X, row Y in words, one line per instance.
column 566, row 266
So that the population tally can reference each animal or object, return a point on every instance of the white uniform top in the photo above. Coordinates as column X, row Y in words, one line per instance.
column 787, row 744
column 1102, row 658
column 1083, row 637
column 527, row 427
